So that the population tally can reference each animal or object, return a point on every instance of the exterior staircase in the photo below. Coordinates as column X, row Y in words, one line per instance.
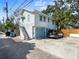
column 26, row 36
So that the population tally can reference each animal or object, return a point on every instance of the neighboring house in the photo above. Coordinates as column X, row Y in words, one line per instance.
column 34, row 24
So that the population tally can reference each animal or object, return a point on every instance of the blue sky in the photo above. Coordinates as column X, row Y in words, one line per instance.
column 13, row 4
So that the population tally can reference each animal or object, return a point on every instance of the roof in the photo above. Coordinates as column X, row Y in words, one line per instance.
column 34, row 12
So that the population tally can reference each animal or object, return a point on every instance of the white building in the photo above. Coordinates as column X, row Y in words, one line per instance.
column 34, row 24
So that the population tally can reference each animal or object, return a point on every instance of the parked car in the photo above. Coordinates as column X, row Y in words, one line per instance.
column 55, row 34
column 11, row 33
column 7, row 33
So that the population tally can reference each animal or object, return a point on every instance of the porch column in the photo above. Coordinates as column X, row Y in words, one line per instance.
column 45, row 32
column 33, row 32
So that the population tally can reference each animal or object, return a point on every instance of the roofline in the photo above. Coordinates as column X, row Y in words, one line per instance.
column 35, row 12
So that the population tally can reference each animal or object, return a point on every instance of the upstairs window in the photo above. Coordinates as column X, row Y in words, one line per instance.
column 23, row 18
column 44, row 18
column 40, row 18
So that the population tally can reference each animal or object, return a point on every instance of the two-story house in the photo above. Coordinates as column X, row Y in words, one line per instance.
column 36, row 24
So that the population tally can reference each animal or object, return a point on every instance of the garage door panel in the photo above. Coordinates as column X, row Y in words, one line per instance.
column 40, row 32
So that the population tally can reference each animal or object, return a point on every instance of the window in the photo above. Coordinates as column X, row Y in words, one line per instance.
column 22, row 18
column 48, row 19
column 44, row 18
column 40, row 18
column 28, row 17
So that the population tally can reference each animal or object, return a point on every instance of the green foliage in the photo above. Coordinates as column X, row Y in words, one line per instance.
column 9, row 24
column 2, row 27
column 61, row 16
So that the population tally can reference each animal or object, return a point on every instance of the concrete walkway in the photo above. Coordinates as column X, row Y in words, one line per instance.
column 66, row 48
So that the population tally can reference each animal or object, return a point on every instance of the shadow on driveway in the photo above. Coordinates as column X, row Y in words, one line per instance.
column 9, row 49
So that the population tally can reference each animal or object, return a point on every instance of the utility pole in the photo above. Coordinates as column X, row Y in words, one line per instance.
column 3, row 21
column 3, row 27
column 6, row 9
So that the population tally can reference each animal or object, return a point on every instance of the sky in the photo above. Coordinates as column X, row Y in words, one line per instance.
column 13, row 4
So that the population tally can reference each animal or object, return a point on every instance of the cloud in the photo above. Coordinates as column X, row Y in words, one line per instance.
column 51, row 3
column 40, row 3
column 43, row 8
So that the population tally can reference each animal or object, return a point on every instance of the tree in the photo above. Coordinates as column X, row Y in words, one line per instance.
column 9, row 24
column 1, row 26
column 62, row 14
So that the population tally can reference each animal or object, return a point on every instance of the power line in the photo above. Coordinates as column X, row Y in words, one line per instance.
column 13, row 5
column 10, row 9
column 18, row 6
column 27, row 4
column 21, row 4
